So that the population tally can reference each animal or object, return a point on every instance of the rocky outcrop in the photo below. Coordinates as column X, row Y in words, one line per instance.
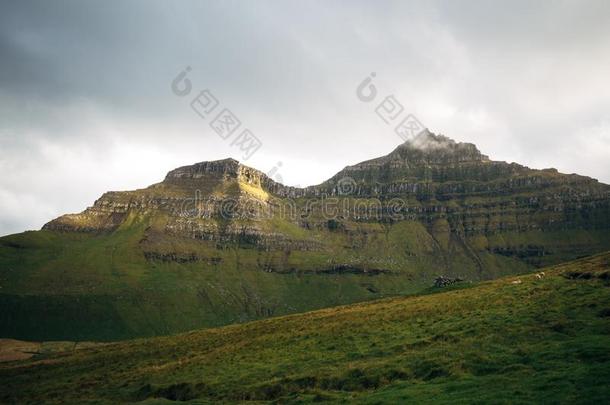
column 457, row 193
column 443, row 281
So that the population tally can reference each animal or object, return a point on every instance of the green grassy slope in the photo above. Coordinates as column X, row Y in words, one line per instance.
column 538, row 341
column 81, row 286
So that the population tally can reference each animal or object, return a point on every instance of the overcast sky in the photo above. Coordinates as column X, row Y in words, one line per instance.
column 86, row 104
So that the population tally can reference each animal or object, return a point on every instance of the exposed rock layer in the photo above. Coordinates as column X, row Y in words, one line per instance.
column 451, row 188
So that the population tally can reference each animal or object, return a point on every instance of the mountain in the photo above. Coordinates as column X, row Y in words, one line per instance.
column 541, row 338
column 219, row 242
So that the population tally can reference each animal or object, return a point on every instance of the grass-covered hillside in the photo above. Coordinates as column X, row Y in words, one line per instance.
column 520, row 339
column 78, row 286
column 104, row 287
column 217, row 243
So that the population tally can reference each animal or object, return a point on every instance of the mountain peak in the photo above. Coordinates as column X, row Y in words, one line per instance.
column 227, row 166
column 429, row 140
column 424, row 150
column 438, row 147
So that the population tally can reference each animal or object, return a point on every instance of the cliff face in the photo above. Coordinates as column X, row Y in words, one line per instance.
column 218, row 242
column 461, row 198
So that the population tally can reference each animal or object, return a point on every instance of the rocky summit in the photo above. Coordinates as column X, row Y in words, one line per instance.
column 219, row 242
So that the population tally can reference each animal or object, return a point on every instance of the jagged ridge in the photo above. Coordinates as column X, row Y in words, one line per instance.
column 436, row 177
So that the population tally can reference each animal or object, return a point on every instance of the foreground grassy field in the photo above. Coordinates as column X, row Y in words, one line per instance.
column 513, row 340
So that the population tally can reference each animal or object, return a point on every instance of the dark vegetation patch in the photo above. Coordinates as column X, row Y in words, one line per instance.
column 333, row 225
column 427, row 370
column 174, row 392
column 348, row 269
column 604, row 313
column 522, row 252
column 371, row 288
column 171, row 257
column 61, row 318
column 353, row 380
column 335, row 270
column 11, row 244
column 179, row 392
column 587, row 275
column 576, row 275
